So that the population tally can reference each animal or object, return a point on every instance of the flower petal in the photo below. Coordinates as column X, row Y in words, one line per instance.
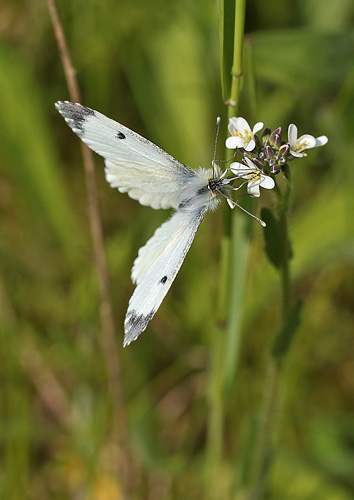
column 232, row 125
column 321, row 141
column 250, row 163
column 258, row 127
column 267, row 182
column 242, row 125
column 250, row 146
column 234, row 142
column 240, row 169
column 307, row 140
column 292, row 134
column 296, row 154
column 253, row 188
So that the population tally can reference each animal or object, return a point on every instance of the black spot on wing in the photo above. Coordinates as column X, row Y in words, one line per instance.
column 75, row 115
column 163, row 280
column 135, row 324
column 120, row 135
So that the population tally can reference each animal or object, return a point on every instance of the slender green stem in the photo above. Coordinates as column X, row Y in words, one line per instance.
column 237, row 71
column 239, row 223
column 285, row 270
column 220, row 340
column 264, row 445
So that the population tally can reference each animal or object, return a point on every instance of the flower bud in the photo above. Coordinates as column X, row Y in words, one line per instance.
column 269, row 152
column 265, row 135
column 284, row 149
column 275, row 138
column 265, row 171
column 256, row 140
column 259, row 163
column 277, row 141
column 275, row 169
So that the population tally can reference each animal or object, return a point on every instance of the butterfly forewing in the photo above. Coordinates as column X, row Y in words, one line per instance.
column 133, row 164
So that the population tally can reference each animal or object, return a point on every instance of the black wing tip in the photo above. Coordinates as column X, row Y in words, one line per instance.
column 68, row 108
column 75, row 114
column 134, row 325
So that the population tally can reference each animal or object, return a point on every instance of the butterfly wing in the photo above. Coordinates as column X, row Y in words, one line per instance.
column 134, row 165
column 156, row 267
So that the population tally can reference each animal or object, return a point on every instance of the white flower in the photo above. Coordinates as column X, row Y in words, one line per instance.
column 254, row 176
column 241, row 134
column 298, row 145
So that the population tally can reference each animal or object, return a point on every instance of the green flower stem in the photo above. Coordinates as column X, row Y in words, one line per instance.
column 221, row 339
column 284, row 232
column 236, row 223
column 241, row 227
column 264, row 445
column 237, row 71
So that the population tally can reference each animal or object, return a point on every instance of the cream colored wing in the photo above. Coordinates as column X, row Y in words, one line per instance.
column 156, row 267
column 134, row 165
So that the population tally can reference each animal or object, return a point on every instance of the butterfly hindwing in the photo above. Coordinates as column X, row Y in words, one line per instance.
column 156, row 267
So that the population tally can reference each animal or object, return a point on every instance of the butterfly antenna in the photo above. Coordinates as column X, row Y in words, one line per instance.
column 232, row 158
column 260, row 221
column 218, row 120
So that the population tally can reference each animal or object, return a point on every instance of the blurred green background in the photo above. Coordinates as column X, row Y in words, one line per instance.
column 154, row 66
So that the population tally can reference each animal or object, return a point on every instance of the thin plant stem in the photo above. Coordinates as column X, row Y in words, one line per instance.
column 285, row 271
column 237, row 69
column 219, row 348
column 264, row 446
column 241, row 229
column 237, row 220
column 109, row 344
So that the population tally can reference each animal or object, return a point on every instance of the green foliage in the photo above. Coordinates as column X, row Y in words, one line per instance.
column 155, row 67
column 272, row 239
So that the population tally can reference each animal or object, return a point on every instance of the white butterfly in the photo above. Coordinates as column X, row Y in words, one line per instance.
column 148, row 174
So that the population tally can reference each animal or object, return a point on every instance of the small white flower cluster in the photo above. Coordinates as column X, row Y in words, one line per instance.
column 268, row 154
